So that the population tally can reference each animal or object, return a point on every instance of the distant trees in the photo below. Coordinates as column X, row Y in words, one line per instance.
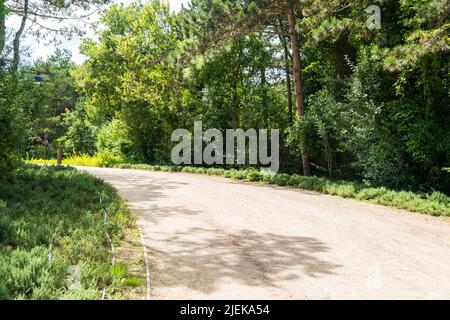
column 34, row 17
column 78, row 135
column 372, row 104
column 231, row 63
column 16, row 87
column 130, row 76
column 212, row 22
column 48, row 103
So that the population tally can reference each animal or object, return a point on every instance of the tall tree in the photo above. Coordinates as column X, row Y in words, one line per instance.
column 298, row 80
column 2, row 27
column 130, row 75
column 18, row 36
column 287, row 71
column 236, row 18
column 37, row 18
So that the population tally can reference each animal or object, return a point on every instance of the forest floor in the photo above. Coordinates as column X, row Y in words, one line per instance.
column 215, row 238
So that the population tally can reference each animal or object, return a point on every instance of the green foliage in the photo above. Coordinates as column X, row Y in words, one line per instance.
column 129, row 76
column 30, row 274
column 132, row 282
column 74, row 160
column 12, row 121
column 435, row 203
column 114, row 142
column 52, row 218
column 40, row 105
column 376, row 101
column 79, row 135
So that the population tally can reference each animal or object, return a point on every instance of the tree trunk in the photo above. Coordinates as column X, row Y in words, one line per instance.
column 288, row 76
column 59, row 155
column 264, row 105
column 234, row 98
column 2, row 27
column 16, row 42
column 298, row 82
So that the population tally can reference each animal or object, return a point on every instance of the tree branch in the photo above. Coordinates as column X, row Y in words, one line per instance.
column 16, row 42
column 46, row 28
column 2, row 26
column 54, row 17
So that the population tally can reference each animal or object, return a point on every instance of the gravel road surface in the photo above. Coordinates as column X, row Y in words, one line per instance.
column 214, row 238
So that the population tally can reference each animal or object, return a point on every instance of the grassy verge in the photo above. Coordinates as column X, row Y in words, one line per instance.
column 436, row 203
column 54, row 241
column 76, row 160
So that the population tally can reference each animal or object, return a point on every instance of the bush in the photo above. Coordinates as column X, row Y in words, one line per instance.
column 52, row 218
column 6, row 167
column 436, row 203
column 115, row 145
column 10, row 137
column 31, row 274
column 74, row 160
column 345, row 190
column 79, row 136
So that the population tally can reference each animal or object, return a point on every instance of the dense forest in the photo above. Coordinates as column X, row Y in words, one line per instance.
column 358, row 93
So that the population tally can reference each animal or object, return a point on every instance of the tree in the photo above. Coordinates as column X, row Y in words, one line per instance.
column 38, row 13
column 241, row 17
column 2, row 29
column 366, row 107
column 79, row 133
column 46, row 101
column 130, row 75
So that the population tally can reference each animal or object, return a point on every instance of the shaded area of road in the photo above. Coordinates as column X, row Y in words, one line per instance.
column 213, row 238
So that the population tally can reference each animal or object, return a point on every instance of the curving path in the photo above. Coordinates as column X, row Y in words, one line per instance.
column 213, row 238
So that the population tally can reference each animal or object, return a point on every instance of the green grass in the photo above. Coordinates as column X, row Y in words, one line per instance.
column 436, row 203
column 102, row 159
column 75, row 160
column 51, row 222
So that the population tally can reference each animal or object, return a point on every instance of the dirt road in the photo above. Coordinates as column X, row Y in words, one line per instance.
column 213, row 238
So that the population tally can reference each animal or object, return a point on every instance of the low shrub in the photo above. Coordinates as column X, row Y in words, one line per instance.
column 435, row 203
column 51, row 218
column 101, row 159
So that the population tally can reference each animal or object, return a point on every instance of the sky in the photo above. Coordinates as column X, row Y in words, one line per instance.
column 43, row 50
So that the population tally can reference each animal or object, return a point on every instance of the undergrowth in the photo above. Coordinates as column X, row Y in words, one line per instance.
column 53, row 235
column 436, row 203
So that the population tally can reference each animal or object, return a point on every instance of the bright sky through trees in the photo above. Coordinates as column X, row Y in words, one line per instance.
column 43, row 50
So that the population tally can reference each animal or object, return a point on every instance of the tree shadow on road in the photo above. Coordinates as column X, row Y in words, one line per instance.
column 199, row 259
column 188, row 252
column 134, row 187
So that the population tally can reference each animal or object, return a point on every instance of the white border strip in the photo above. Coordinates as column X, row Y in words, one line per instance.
column 147, row 266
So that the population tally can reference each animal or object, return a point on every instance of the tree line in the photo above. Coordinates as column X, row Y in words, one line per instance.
column 351, row 100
